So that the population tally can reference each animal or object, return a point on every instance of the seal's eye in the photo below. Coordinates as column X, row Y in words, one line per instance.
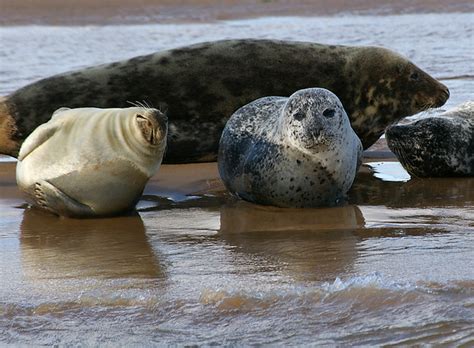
column 414, row 76
column 329, row 113
column 299, row 115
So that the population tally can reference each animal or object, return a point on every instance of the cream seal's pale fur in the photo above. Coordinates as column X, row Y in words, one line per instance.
column 290, row 152
column 91, row 162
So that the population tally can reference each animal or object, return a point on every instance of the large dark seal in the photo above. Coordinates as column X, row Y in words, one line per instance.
column 436, row 146
column 290, row 152
column 202, row 85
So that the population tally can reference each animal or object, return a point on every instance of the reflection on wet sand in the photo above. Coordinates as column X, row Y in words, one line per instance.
column 317, row 244
column 422, row 193
column 415, row 207
column 246, row 217
column 56, row 248
column 311, row 244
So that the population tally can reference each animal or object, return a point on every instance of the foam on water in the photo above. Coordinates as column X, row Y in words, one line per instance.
column 342, row 290
column 373, row 280
column 214, row 315
column 337, row 290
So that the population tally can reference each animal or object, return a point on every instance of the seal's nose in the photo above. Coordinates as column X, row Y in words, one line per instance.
column 161, row 122
column 394, row 133
column 443, row 96
column 446, row 93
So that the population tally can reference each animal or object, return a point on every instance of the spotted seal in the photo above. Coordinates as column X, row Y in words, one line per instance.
column 202, row 85
column 436, row 146
column 91, row 162
column 290, row 152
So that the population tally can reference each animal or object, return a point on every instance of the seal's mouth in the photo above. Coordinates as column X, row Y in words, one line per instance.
column 423, row 102
column 315, row 139
column 153, row 139
column 442, row 98
column 399, row 151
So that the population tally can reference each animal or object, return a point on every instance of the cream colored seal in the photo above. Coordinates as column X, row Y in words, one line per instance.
column 91, row 162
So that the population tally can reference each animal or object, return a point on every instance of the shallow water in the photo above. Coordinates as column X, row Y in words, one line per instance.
column 393, row 266
column 29, row 53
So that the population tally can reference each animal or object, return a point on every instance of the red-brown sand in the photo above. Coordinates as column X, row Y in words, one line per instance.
column 72, row 12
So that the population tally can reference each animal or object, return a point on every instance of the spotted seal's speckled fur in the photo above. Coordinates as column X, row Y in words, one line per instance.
column 290, row 152
column 91, row 162
column 202, row 85
column 436, row 146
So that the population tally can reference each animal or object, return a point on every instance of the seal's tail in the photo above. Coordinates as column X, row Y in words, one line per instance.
column 9, row 145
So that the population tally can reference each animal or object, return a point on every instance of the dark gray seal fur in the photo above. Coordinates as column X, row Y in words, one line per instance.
column 290, row 152
column 202, row 85
column 438, row 146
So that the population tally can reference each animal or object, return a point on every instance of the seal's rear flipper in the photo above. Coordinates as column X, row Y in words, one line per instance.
column 50, row 198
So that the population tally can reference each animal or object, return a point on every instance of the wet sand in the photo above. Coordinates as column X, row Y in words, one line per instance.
column 196, row 266
column 173, row 184
column 57, row 12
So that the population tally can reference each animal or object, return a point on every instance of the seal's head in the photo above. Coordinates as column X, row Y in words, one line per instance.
column 433, row 146
column 314, row 119
column 151, row 126
column 391, row 88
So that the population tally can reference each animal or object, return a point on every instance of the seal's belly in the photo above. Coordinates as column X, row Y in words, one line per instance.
column 105, row 186
column 111, row 186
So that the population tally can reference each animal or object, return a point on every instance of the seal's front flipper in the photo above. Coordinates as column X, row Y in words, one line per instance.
column 41, row 134
column 38, row 137
column 59, row 111
column 50, row 198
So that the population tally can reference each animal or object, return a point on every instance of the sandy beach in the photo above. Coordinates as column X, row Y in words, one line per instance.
column 57, row 12
column 176, row 182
